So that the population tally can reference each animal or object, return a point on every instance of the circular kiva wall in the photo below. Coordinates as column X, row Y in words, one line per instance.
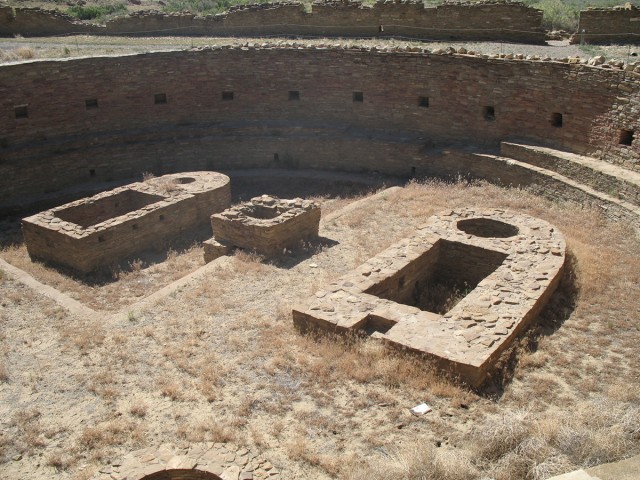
column 64, row 123
column 178, row 474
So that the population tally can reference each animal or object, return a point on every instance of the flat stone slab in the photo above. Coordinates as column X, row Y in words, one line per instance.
column 485, row 275
column 627, row 469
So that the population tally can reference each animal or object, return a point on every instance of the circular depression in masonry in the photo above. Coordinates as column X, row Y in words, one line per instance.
column 487, row 227
column 183, row 180
column 181, row 474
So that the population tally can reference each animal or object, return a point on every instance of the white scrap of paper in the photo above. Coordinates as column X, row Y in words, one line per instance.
column 420, row 409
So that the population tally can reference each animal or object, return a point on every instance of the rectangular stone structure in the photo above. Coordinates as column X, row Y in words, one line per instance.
column 112, row 226
column 266, row 225
column 458, row 292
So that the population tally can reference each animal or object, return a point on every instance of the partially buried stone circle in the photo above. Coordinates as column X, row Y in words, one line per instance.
column 200, row 461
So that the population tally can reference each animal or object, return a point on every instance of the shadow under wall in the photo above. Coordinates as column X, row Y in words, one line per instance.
column 560, row 307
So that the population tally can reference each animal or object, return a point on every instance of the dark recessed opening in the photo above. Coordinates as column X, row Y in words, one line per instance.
column 111, row 206
column 423, row 102
column 92, row 103
column 100, row 239
column 160, row 98
column 489, row 113
column 161, row 217
column 92, row 172
column 262, row 212
column 358, row 97
column 134, row 226
column 227, row 95
column 556, row 119
column 373, row 324
column 487, row 228
column 21, row 111
column 185, row 180
column 413, row 171
column 440, row 278
column 181, row 474
column 381, row 28
column 276, row 157
column 626, row 137
column 294, row 95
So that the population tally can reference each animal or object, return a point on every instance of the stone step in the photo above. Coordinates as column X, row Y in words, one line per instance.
column 613, row 180
column 628, row 469
column 553, row 185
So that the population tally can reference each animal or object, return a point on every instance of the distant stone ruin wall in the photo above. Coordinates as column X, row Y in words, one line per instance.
column 608, row 25
column 33, row 22
column 512, row 22
column 103, row 119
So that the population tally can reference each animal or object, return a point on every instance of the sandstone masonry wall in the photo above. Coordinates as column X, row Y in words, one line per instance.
column 77, row 123
column 40, row 22
column 609, row 25
column 513, row 22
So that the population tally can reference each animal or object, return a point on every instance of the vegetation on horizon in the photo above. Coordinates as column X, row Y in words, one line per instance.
column 96, row 12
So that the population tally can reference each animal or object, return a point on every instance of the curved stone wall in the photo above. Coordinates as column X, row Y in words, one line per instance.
column 490, row 20
column 80, row 122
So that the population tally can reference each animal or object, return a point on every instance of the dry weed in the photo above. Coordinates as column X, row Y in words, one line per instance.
column 210, row 430
column 85, row 337
column 417, row 460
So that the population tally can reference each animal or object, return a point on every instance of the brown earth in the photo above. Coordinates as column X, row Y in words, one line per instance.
column 218, row 359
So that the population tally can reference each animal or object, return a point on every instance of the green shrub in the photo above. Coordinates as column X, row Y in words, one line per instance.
column 92, row 12
column 206, row 6
column 564, row 14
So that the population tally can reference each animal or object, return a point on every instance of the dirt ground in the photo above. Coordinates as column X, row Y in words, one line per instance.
column 21, row 49
column 217, row 359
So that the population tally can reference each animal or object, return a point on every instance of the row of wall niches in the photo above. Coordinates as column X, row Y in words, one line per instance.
column 556, row 119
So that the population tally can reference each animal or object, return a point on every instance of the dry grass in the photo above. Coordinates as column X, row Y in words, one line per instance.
column 116, row 287
column 219, row 360
column 20, row 53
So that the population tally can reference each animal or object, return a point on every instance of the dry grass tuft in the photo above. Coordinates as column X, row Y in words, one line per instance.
column 20, row 53
column 524, row 444
column 417, row 460
column 209, row 430
column 84, row 337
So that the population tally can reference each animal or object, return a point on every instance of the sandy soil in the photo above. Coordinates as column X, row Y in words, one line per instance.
column 219, row 360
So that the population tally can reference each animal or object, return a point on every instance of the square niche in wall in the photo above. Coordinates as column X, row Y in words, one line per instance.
column 626, row 137
column 489, row 113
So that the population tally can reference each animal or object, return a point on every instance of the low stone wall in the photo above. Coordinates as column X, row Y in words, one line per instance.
column 32, row 22
column 109, row 227
column 266, row 225
column 199, row 461
column 513, row 22
column 608, row 25
column 511, row 263
column 610, row 179
column 507, row 172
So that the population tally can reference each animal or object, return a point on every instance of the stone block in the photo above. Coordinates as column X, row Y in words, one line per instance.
column 433, row 293
column 266, row 225
column 112, row 226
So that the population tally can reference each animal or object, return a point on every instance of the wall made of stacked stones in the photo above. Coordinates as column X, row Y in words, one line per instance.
column 507, row 21
column 355, row 109
column 608, row 25
column 36, row 21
